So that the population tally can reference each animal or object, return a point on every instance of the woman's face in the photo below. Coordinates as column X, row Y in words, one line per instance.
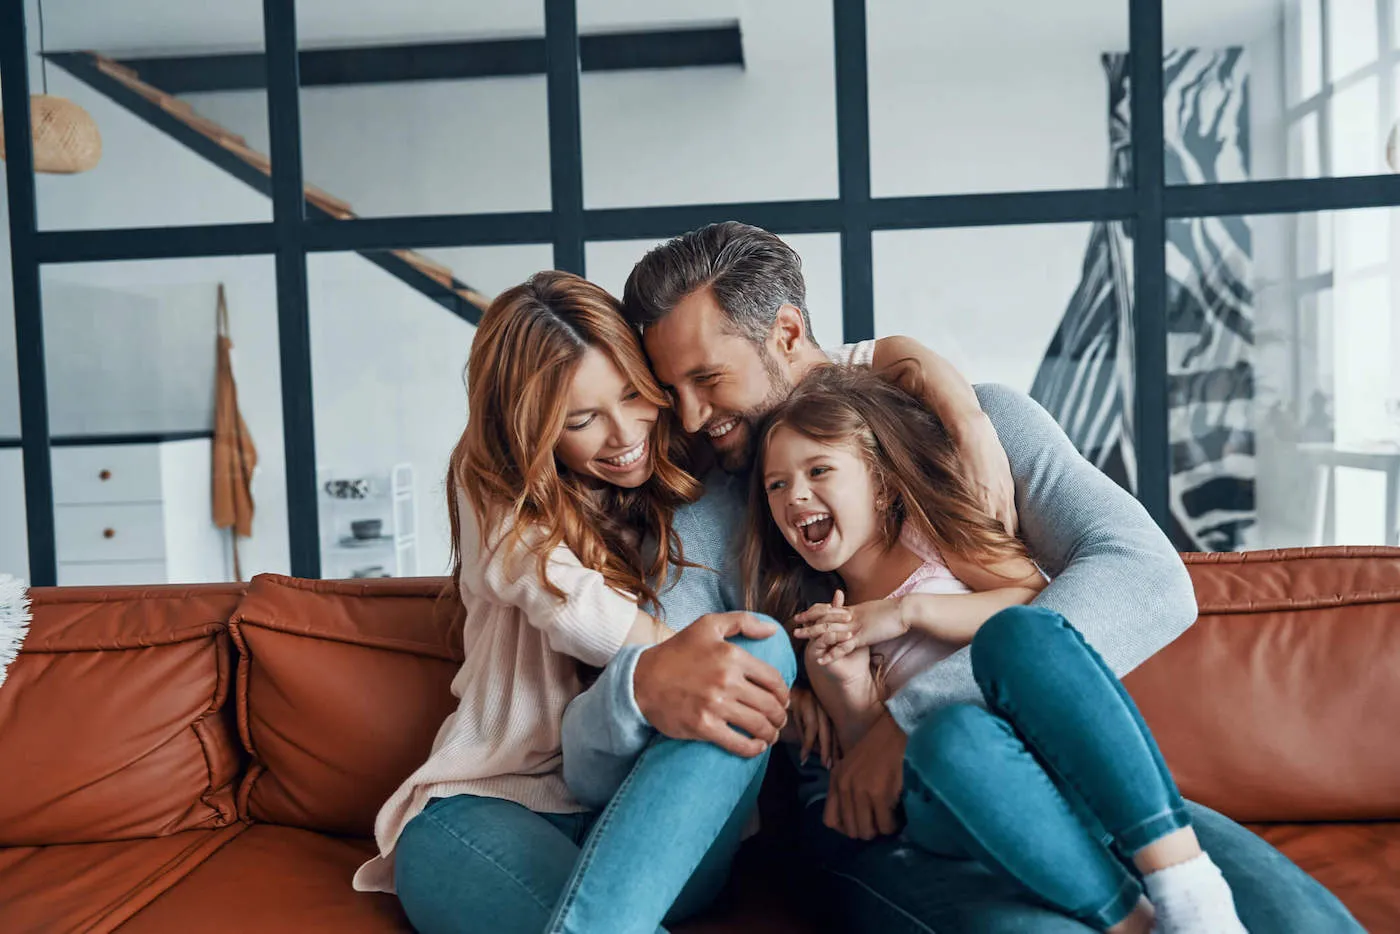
column 608, row 426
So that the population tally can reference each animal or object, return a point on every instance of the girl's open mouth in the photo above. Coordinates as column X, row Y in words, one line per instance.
column 814, row 529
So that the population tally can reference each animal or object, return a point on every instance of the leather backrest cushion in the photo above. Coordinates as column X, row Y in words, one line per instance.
column 113, row 719
column 342, row 686
column 1279, row 704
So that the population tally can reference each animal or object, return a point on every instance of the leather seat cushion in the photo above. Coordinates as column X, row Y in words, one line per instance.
column 340, row 696
column 113, row 719
column 275, row 880
column 1359, row 863
column 94, row 887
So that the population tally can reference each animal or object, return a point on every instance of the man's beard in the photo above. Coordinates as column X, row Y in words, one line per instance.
column 740, row 459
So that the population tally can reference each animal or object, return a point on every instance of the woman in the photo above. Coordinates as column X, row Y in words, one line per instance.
column 562, row 491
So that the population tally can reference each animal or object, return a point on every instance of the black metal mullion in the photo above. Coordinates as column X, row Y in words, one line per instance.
column 1152, row 447
column 29, row 312
column 565, row 134
column 853, row 170
column 293, row 315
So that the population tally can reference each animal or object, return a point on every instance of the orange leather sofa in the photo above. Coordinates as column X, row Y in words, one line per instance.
column 211, row 758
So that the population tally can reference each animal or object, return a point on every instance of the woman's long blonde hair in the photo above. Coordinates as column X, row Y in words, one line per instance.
column 526, row 350
column 913, row 463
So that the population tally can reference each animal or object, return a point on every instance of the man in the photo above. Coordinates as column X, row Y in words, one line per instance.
column 722, row 312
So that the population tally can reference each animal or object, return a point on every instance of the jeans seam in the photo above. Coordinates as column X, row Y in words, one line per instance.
column 932, row 789
column 884, row 899
column 448, row 829
column 568, row 897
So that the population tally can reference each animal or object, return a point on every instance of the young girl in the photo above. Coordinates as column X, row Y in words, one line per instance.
column 858, row 491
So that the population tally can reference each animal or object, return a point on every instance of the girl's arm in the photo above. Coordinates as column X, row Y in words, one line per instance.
column 836, row 631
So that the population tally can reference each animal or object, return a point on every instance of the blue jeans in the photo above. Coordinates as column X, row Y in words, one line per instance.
column 1051, row 790
column 1044, row 785
column 660, row 850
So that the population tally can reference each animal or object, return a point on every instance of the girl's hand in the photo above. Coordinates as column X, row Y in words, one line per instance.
column 815, row 729
column 836, row 630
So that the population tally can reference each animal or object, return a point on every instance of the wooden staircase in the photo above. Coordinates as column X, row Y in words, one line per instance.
column 87, row 66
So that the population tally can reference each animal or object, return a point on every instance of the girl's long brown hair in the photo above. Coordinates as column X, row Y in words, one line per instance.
column 526, row 350
column 912, row 460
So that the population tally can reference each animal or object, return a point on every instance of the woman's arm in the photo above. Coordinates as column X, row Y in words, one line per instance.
column 926, row 375
column 590, row 622
column 647, row 630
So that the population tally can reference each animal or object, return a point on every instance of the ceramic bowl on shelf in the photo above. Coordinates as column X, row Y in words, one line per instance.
column 366, row 528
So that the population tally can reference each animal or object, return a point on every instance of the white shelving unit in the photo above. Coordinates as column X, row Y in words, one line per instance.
column 350, row 501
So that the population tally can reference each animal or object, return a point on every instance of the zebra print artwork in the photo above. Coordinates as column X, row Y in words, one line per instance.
column 1086, row 380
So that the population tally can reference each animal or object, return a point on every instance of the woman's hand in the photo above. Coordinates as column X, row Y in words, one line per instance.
column 814, row 728
column 837, row 630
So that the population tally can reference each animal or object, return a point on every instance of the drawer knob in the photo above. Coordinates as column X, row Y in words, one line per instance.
column 109, row 533
column 104, row 475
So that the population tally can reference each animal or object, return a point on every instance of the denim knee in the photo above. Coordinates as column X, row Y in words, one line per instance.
column 776, row 650
column 1016, row 636
column 950, row 743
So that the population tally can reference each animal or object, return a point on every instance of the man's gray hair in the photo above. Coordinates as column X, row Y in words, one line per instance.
column 751, row 271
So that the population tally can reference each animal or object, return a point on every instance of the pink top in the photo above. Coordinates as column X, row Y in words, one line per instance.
column 916, row 652
column 521, row 642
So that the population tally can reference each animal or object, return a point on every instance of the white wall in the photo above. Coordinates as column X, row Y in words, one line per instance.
column 961, row 100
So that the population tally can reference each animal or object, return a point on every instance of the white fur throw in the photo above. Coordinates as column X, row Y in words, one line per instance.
column 14, row 620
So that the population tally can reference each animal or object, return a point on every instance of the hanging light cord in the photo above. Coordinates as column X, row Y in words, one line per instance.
column 43, row 61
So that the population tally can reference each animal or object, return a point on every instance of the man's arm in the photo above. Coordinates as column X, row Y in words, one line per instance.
column 947, row 393
column 1114, row 574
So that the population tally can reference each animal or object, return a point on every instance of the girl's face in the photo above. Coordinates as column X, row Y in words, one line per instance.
column 822, row 497
column 608, row 427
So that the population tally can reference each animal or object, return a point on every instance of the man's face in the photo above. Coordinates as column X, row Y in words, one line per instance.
column 722, row 383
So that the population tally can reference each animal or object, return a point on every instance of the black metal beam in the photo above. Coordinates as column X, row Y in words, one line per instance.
column 656, row 223
column 293, row 316
column 1282, row 196
column 29, row 313
column 426, row 230
column 692, row 47
column 853, row 171
column 1151, row 443
column 1002, row 208
column 565, row 135
column 213, row 240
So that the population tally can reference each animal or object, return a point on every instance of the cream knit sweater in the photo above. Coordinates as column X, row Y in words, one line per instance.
column 519, row 675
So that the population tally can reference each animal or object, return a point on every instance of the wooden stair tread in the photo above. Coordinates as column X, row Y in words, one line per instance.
column 236, row 144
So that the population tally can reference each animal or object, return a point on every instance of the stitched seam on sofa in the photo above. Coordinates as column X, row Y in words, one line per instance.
column 1306, row 553
column 35, row 646
column 1284, row 604
column 216, row 703
column 142, row 896
column 364, row 642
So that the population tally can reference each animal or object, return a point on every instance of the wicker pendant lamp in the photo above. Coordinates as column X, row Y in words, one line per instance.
column 66, row 140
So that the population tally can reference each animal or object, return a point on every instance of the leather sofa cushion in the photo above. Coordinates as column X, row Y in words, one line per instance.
column 1358, row 863
column 1272, row 707
column 275, row 880
column 95, row 887
column 342, row 687
column 113, row 721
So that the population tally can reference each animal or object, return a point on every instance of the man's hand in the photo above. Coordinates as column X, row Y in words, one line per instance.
column 696, row 685
column 866, row 783
column 984, row 460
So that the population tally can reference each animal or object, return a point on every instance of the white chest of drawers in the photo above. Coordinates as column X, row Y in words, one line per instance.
column 136, row 514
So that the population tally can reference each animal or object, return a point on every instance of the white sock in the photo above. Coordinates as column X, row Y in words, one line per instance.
column 1192, row 898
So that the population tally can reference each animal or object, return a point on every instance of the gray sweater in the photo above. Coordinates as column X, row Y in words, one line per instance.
column 1114, row 575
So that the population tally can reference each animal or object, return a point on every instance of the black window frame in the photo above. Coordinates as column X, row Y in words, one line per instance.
column 1149, row 203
